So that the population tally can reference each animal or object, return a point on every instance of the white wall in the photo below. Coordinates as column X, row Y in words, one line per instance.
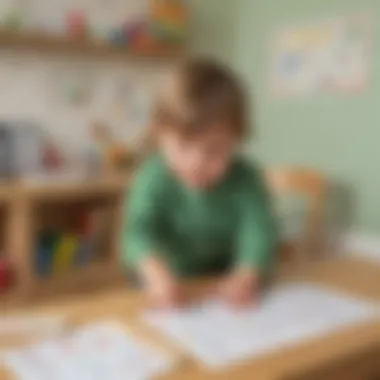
column 33, row 86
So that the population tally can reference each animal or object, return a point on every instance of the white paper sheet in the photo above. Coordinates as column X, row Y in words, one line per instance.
column 40, row 326
column 97, row 352
column 218, row 336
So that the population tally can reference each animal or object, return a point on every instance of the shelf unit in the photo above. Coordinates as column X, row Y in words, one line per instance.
column 82, row 47
column 24, row 202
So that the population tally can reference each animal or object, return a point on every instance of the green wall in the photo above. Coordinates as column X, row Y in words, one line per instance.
column 213, row 28
column 338, row 134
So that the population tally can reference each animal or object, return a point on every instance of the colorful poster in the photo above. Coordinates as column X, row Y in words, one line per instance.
column 324, row 57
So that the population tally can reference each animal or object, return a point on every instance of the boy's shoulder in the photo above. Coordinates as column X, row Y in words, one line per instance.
column 152, row 164
column 151, row 171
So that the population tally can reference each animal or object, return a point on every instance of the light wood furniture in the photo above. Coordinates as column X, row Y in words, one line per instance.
column 310, row 185
column 350, row 354
column 50, row 44
column 27, row 204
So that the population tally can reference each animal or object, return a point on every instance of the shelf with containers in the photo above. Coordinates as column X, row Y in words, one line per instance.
column 160, row 31
column 64, row 237
column 84, row 47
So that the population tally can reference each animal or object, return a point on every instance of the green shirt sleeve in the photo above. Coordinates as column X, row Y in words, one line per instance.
column 140, row 235
column 256, row 238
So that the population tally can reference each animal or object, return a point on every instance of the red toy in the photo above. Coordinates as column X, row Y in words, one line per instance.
column 51, row 158
column 5, row 275
column 76, row 24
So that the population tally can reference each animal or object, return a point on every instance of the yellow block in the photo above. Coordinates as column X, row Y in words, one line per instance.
column 64, row 253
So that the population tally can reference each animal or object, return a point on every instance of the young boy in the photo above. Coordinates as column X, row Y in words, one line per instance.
column 196, row 208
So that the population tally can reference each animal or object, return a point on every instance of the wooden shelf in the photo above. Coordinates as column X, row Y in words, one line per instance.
column 22, row 217
column 83, row 279
column 60, row 190
column 43, row 43
column 56, row 191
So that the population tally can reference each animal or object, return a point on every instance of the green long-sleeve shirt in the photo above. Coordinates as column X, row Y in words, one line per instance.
column 192, row 230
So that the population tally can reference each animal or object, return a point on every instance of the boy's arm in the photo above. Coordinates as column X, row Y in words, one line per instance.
column 141, row 243
column 141, row 218
column 256, row 238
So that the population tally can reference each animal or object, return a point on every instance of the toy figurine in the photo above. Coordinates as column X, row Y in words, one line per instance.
column 76, row 24
column 112, row 155
column 139, row 36
column 13, row 21
column 51, row 157
column 118, row 37
column 169, row 20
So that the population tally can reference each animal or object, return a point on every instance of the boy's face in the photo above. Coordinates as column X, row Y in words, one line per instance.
column 199, row 161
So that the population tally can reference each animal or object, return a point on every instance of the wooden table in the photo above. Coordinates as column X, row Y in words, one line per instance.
column 352, row 354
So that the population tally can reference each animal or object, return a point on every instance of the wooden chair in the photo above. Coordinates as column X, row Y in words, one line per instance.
column 311, row 185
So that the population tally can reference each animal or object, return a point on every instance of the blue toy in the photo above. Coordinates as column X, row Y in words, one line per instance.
column 44, row 256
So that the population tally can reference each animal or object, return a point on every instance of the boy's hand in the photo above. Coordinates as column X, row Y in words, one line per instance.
column 166, row 292
column 240, row 288
column 160, row 284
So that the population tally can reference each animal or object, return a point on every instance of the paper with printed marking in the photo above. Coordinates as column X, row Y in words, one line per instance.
column 96, row 352
column 219, row 336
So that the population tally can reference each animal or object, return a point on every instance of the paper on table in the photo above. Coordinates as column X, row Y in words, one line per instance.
column 219, row 336
column 32, row 325
column 100, row 351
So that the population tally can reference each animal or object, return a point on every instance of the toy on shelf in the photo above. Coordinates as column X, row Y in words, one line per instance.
column 64, row 253
column 136, row 33
column 132, row 30
column 51, row 157
column 59, row 252
column 165, row 25
column 140, row 37
column 118, row 37
column 44, row 256
column 112, row 155
column 169, row 20
column 13, row 15
column 18, row 162
column 76, row 24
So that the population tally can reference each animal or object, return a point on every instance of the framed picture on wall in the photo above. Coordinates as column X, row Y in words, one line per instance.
column 331, row 56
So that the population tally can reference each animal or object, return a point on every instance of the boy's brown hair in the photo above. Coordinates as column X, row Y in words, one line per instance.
column 202, row 94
